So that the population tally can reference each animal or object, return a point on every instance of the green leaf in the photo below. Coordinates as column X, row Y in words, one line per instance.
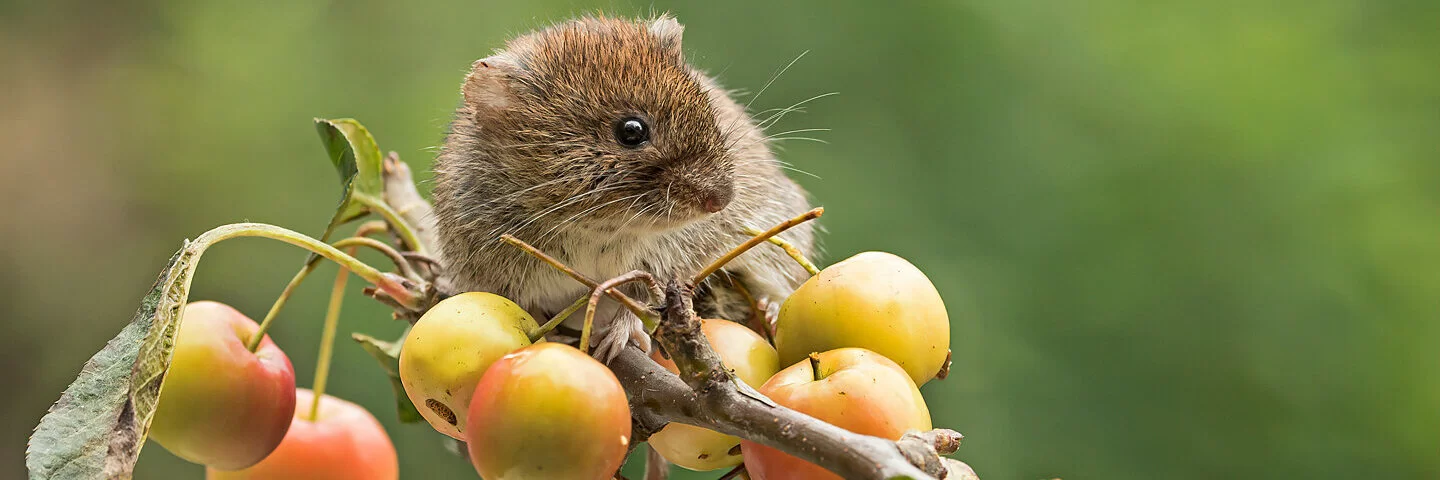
column 99, row 424
column 388, row 354
column 357, row 159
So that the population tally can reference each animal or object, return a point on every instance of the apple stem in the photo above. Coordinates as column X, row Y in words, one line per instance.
column 815, row 366
column 310, row 264
column 395, row 256
column 361, row 269
column 539, row 332
column 327, row 339
column 734, row 473
column 945, row 367
column 759, row 323
column 313, row 261
column 402, row 228
column 633, row 276
column 789, row 249
column 647, row 315
column 755, row 240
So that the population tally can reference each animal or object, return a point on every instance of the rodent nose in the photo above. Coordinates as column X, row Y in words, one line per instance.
column 716, row 200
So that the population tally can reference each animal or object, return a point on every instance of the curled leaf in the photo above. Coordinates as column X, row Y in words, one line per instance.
column 97, row 427
column 357, row 159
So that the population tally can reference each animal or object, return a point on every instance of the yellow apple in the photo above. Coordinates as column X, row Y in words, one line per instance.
column 874, row 300
column 450, row 347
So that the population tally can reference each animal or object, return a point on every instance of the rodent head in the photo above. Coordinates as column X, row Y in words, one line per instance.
column 602, row 121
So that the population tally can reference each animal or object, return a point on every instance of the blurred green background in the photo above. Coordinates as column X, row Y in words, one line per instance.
column 1183, row 240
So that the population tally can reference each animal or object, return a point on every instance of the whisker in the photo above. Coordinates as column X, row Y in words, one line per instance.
column 775, row 118
column 773, row 78
column 545, row 236
column 808, row 139
column 802, row 130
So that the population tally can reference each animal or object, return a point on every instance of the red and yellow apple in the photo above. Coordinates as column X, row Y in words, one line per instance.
column 343, row 442
column 450, row 347
column 873, row 300
column 548, row 411
column 852, row 388
column 220, row 404
column 753, row 360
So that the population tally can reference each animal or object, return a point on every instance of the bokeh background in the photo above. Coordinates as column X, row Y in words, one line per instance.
column 1181, row 240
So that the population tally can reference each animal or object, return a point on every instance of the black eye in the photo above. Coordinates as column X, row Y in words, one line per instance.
column 632, row 132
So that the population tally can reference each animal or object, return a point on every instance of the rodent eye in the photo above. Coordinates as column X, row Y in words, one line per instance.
column 632, row 132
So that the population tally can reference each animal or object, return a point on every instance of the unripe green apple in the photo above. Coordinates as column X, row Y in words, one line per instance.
column 873, row 300
column 852, row 388
column 220, row 404
column 548, row 411
column 753, row 360
column 344, row 442
column 449, row 349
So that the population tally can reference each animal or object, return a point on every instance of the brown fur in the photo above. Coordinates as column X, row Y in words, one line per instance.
column 532, row 153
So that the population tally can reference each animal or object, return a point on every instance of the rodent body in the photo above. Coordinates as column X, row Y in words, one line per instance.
column 596, row 142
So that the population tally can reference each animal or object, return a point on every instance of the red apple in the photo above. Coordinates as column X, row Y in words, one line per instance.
column 344, row 442
column 448, row 350
column 753, row 360
column 852, row 388
column 548, row 411
column 220, row 404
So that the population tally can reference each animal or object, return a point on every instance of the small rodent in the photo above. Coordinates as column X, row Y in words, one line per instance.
column 595, row 141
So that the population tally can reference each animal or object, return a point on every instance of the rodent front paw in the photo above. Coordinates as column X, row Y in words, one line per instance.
column 613, row 338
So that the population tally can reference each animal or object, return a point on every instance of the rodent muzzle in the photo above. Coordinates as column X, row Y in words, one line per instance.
column 716, row 200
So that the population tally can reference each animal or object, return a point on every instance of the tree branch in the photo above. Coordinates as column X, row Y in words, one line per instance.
column 709, row 397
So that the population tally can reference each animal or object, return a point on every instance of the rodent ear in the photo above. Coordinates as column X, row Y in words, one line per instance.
column 668, row 31
column 487, row 87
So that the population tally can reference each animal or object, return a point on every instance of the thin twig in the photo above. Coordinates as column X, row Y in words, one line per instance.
column 790, row 250
column 645, row 313
column 371, row 227
column 560, row 317
column 756, row 240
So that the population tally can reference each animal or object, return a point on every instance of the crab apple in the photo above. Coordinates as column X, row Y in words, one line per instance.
column 873, row 300
column 343, row 442
column 753, row 360
column 548, row 411
column 220, row 404
column 450, row 347
column 852, row 388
